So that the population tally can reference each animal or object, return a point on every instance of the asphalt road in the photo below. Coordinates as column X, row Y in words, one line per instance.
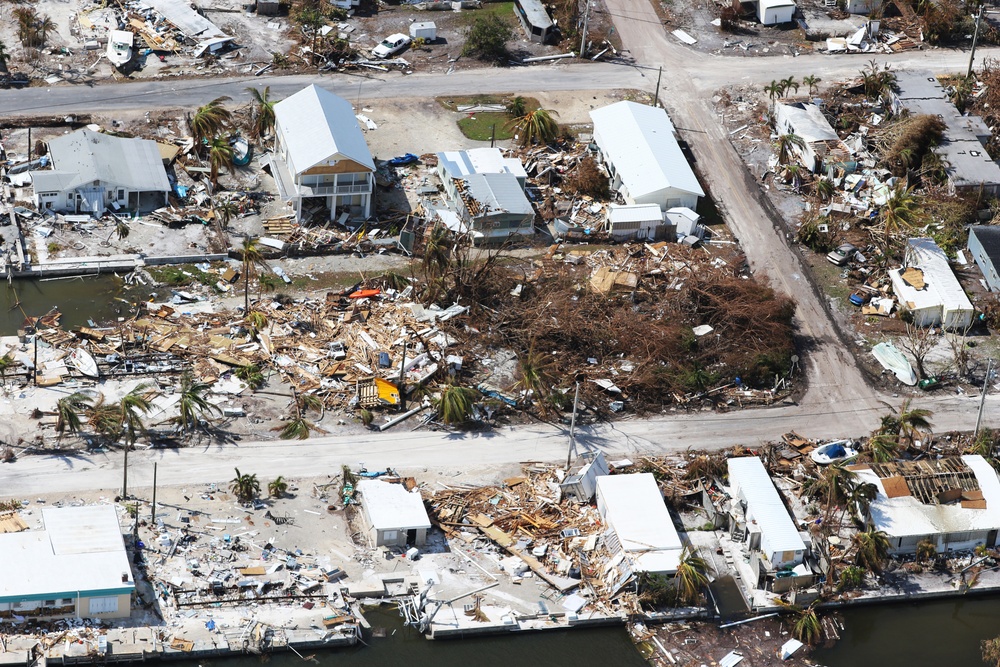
column 838, row 402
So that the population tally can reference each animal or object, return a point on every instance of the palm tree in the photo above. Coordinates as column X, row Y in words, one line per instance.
column 535, row 374
column 251, row 374
column 773, row 89
column 517, row 107
column 256, row 321
column 806, row 626
column 131, row 407
column 277, row 487
column 437, row 251
column 812, row 81
column 785, row 144
column 790, row 83
column 262, row 114
column 104, row 418
column 860, row 499
column 220, row 154
column 455, row 404
column 44, row 26
column 244, row 487
column 298, row 427
column 898, row 214
column 6, row 363
column 210, row 120
column 69, row 409
column 193, row 406
column 312, row 19
column 832, row 486
column 871, row 549
column 926, row 551
column 253, row 261
column 913, row 421
column 794, row 172
column 824, row 188
column 691, row 576
column 121, row 229
column 883, row 447
column 536, row 126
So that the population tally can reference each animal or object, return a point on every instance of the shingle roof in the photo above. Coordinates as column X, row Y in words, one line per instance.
column 640, row 141
column 84, row 156
column 316, row 125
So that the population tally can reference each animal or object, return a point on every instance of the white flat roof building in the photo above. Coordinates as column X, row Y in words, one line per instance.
column 751, row 486
column 633, row 507
column 76, row 565
column 395, row 516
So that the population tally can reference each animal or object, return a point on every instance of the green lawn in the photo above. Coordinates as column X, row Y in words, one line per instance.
column 504, row 10
column 480, row 126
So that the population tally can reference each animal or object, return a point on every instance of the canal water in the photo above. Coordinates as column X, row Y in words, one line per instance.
column 102, row 299
column 597, row 647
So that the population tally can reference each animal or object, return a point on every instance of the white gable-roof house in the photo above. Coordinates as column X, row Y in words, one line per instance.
column 92, row 172
column 393, row 515
column 638, row 147
column 320, row 154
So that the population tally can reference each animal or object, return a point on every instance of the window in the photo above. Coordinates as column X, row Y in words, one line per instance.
column 67, row 601
column 50, row 603
column 103, row 605
column 389, row 535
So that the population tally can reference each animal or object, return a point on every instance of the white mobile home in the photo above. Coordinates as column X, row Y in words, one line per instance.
column 821, row 146
column 759, row 517
column 927, row 287
column 637, row 146
column 775, row 12
column 639, row 523
column 984, row 246
column 393, row 516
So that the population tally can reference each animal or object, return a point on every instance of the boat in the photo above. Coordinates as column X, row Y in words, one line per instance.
column 839, row 451
column 242, row 151
column 120, row 47
column 364, row 294
column 84, row 362
column 893, row 360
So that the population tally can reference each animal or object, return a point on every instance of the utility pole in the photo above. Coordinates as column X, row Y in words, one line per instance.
column 125, row 473
column 493, row 134
column 982, row 399
column 656, row 99
column 975, row 38
column 402, row 379
column 34, row 340
column 572, row 428
column 152, row 513
column 586, row 20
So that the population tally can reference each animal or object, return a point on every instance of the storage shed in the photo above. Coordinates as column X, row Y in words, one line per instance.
column 639, row 523
column 642, row 222
column 394, row 516
column 760, row 517
column 774, row 12
column 927, row 287
column 984, row 246
column 636, row 142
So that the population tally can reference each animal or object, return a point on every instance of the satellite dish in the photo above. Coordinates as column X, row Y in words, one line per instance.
column 795, row 358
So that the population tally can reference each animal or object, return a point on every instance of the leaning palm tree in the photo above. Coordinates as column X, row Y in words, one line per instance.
column 220, row 154
column 262, row 112
column 794, row 172
column 455, row 404
column 437, row 251
column 913, row 422
column 120, row 229
column 298, row 427
column 253, row 262
column 785, row 144
column 806, row 626
column 538, row 126
column 883, row 447
column 193, row 405
column 898, row 213
column 824, row 188
column 69, row 410
column 691, row 576
column 832, row 487
column 871, row 549
column 210, row 120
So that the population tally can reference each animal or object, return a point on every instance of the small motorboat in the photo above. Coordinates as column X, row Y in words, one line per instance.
column 84, row 362
column 242, row 151
column 893, row 360
column 120, row 47
column 839, row 451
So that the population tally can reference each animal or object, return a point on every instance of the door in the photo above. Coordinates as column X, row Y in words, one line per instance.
column 411, row 536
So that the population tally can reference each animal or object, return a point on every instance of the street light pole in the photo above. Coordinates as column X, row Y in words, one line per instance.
column 982, row 399
column 572, row 428
column 975, row 38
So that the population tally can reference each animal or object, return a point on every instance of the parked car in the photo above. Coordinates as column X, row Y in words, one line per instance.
column 391, row 45
column 842, row 254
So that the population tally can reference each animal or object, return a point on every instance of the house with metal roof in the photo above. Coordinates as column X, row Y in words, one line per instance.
column 637, row 146
column 950, row 502
column 393, row 516
column 320, row 154
column 93, row 172
column 927, row 288
column 456, row 165
column 821, row 146
column 76, row 566
column 984, row 246
column 493, row 207
column 534, row 19
column 639, row 524
column 637, row 222
column 759, row 520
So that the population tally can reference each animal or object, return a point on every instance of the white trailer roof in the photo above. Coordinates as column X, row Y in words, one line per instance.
column 634, row 508
column 941, row 288
column 906, row 516
column 639, row 140
column 392, row 507
column 749, row 481
column 634, row 213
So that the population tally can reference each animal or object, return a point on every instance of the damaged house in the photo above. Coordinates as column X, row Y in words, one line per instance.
column 637, row 146
column 75, row 567
column 92, row 172
column 321, row 156
column 759, row 521
column 457, row 165
column 821, row 146
column 492, row 207
column 927, row 287
column 963, row 147
column 393, row 516
column 950, row 502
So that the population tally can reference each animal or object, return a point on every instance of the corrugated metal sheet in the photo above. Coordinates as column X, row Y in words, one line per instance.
column 499, row 192
column 316, row 125
column 639, row 140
